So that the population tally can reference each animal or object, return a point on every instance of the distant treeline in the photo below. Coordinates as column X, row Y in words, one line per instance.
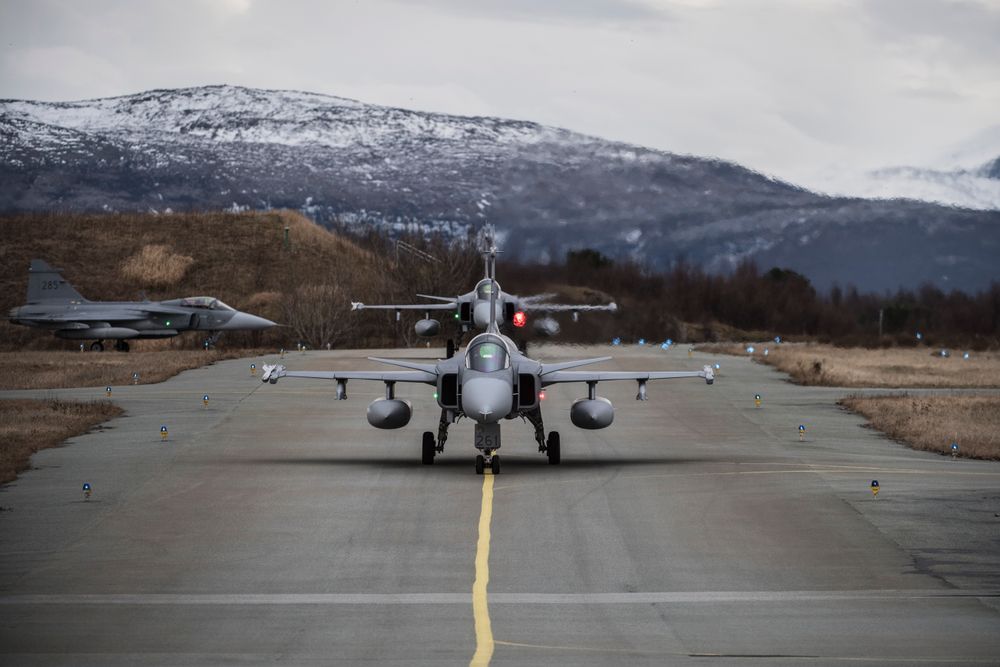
column 282, row 266
column 686, row 303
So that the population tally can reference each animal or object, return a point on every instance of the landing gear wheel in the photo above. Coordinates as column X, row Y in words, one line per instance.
column 552, row 448
column 97, row 346
column 121, row 345
column 480, row 464
column 428, row 449
column 449, row 349
column 495, row 465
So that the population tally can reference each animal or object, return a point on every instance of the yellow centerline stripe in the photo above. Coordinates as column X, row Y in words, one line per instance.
column 480, row 606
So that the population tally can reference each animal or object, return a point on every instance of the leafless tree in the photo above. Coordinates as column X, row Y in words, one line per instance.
column 319, row 316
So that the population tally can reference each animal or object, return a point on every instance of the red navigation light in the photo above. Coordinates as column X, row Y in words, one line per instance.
column 541, row 395
column 520, row 319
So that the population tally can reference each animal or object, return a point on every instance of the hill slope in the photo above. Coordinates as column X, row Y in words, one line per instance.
column 239, row 258
column 550, row 190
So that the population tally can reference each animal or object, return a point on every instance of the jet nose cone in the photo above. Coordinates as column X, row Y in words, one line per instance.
column 247, row 322
column 486, row 400
column 481, row 314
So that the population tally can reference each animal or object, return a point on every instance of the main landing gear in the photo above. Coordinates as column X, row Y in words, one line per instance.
column 121, row 345
column 552, row 448
column 548, row 446
column 429, row 448
column 97, row 346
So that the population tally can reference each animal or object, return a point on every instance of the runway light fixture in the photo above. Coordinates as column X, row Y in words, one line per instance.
column 750, row 349
column 954, row 449
column 920, row 336
column 875, row 488
column 642, row 341
column 616, row 341
column 204, row 400
column 965, row 356
column 86, row 490
column 766, row 352
column 107, row 391
column 777, row 340
column 163, row 432
column 520, row 319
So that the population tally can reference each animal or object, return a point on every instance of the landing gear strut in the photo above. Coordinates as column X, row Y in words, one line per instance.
column 211, row 340
column 449, row 349
column 429, row 447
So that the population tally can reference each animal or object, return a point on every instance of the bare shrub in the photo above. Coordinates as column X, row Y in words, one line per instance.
column 156, row 266
column 319, row 314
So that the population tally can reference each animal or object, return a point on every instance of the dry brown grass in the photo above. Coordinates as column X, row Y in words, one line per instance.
column 932, row 423
column 156, row 266
column 27, row 426
column 57, row 369
column 826, row 365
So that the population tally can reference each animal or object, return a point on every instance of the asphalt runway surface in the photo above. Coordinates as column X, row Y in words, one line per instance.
column 275, row 525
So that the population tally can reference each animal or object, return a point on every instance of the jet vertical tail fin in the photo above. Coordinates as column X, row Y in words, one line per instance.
column 47, row 284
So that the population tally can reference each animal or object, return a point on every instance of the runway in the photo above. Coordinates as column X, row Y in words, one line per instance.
column 275, row 525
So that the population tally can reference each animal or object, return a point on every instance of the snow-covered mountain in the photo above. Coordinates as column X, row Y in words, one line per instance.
column 967, row 176
column 549, row 189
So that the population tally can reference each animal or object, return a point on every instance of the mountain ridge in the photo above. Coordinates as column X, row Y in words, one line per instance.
column 347, row 163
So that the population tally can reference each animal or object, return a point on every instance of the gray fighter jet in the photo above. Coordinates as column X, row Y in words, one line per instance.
column 472, row 310
column 486, row 382
column 54, row 305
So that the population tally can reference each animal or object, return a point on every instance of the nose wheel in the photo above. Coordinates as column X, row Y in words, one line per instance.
column 491, row 460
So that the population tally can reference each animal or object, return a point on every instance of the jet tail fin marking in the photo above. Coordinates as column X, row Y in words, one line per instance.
column 47, row 284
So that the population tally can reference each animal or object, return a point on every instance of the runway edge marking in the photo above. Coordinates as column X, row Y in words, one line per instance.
column 480, row 603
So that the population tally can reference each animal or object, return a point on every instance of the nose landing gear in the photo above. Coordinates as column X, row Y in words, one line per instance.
column 487, row 458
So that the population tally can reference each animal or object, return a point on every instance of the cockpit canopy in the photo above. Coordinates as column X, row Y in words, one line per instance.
column 207, row 302
column 487, row 355
column 484, row 287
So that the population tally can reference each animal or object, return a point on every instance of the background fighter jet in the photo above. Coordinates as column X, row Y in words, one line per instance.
column 472, row 310
column 54, row 304
column 487, row 382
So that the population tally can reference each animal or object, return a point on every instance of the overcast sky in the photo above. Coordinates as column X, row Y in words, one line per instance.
column 788, row 87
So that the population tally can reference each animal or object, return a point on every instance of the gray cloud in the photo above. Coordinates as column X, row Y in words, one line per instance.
column 789, row 88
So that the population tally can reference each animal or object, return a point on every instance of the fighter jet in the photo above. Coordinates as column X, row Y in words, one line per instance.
column 487, row 382
column 472, row 309
column 54, row 305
